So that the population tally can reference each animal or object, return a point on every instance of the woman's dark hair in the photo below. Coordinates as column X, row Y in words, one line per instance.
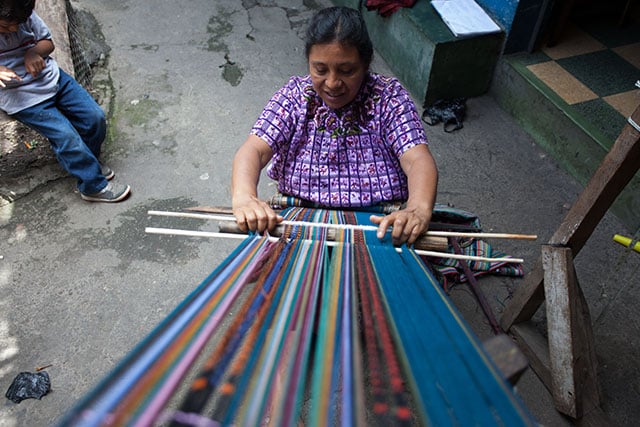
column 16, row 10
column 343, row 25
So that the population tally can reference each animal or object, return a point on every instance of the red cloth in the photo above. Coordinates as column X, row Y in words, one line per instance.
column 387, row 7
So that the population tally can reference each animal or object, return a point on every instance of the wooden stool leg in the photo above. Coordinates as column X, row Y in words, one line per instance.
column 574, row 383
column 567, row 363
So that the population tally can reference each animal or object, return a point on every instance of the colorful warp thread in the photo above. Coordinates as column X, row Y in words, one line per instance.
column 354, row 334
column 448, row 270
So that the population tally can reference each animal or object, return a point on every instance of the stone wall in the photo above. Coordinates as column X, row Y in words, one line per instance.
column 54, row 14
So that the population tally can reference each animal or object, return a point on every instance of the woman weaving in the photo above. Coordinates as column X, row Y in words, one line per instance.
column 341, row 137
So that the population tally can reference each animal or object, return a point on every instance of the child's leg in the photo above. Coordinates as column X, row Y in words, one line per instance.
column 72, row 153
column 83, row 112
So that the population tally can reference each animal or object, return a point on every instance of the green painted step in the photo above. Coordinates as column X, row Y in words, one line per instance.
column 425, row 55
column 566, row 134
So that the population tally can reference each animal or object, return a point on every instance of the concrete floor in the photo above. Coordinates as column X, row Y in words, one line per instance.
column 82, row 283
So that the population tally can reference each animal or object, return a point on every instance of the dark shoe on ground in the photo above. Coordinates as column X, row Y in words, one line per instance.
column 111, row 193
column 107, row 172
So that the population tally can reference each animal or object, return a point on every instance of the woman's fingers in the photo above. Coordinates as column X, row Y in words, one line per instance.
column 406, row 226
column 257, row 216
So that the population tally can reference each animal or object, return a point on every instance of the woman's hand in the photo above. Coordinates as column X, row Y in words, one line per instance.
column 406, row 224
column 253, row 214
column 422, row 176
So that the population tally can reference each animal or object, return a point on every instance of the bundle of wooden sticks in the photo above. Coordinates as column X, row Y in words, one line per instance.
column 432, row 243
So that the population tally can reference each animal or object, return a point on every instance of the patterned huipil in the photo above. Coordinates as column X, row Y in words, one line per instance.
column 341, row 158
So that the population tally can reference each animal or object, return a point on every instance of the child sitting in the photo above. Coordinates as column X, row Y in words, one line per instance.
column 36, row 92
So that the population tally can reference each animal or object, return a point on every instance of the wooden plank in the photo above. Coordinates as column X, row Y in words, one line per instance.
column 535, row 349
column 571, row 351
column 614, row 173
column 526, row 299
column 594, row 418
column 507, row 356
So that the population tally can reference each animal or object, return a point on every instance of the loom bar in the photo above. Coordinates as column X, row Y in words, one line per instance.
column 225, row 217
column 194, row 233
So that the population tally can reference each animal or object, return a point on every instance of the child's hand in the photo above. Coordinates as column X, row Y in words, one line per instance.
column 33, row 62
column 6, row 75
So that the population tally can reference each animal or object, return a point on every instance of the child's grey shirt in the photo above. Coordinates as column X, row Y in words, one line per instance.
column 19, row 95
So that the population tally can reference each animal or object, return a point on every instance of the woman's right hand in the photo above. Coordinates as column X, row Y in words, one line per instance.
column 253, row 214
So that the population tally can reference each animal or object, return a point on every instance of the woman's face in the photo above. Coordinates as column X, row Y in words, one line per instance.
column 337, row 73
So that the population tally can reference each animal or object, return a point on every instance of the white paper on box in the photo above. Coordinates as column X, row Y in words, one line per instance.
column 465, row 17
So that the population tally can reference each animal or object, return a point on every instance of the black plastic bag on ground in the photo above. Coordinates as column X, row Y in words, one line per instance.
column 449, row 112
column 27, row 385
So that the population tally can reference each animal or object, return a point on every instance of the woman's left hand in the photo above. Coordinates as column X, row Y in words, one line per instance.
column 407, row 224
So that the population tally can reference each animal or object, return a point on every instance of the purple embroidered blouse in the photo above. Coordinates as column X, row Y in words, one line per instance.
column 341, row 158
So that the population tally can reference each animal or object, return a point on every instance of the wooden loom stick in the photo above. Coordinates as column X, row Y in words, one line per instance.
column 193, row 233
column 483, row 235
column 427, row 243
column 423, row 242
column 433, row 225
column 231, row 218
column 228, row 225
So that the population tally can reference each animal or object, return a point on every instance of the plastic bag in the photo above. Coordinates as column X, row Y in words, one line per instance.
column 27, row 385
column 449, row 112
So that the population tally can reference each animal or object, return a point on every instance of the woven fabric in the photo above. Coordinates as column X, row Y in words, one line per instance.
column 448, row 270
column 299, row 332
